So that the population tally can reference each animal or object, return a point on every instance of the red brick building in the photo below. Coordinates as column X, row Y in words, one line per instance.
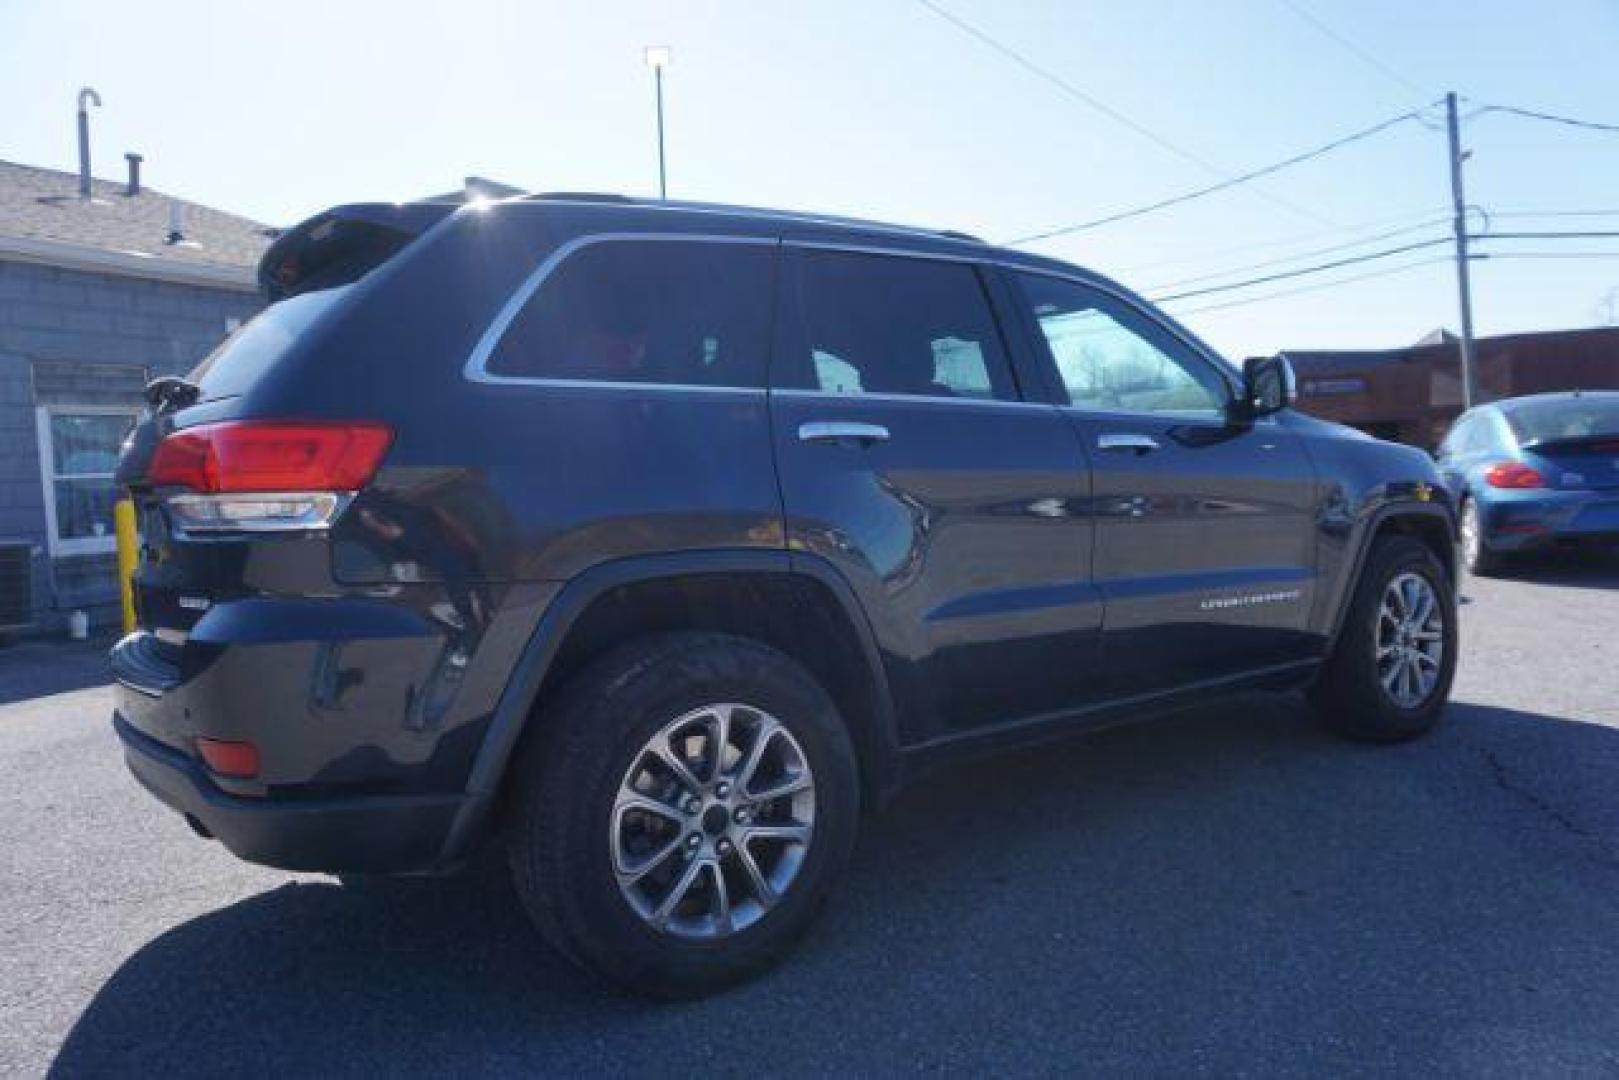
column 1412, row 394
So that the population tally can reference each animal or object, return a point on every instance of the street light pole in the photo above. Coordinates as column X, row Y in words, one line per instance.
column 657, row 58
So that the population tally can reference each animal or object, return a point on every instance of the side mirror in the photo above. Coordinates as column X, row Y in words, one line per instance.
column 1268, row 386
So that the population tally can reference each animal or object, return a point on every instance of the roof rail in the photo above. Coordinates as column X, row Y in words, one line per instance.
column 579, row 196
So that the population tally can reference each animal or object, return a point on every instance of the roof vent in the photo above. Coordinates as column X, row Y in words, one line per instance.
column 177, row 226
column 133, row 187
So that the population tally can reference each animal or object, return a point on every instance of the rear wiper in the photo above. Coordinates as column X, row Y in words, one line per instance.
column 167, row 393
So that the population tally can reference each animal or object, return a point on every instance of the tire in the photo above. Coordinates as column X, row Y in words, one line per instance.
column 571, row 828
column 1479, row 560
column 1351, row 696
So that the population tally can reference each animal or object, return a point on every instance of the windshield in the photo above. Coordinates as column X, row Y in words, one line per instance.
column 1563, row 418
column 238, row 362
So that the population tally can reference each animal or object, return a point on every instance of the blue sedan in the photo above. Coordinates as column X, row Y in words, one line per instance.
column 1534, row 472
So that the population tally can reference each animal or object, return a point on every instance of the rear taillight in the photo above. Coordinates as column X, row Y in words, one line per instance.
column 260, row 456
column 1513, row 474
column 260, row 475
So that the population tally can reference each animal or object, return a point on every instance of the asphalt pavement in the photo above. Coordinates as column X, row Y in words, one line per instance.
column 1224, row 891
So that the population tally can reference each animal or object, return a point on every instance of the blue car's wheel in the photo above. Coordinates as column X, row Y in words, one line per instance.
column 1478, row 558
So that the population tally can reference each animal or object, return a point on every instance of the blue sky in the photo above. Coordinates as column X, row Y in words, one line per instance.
column 883, row 109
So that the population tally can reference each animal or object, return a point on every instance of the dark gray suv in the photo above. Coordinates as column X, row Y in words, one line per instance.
column 656, row 542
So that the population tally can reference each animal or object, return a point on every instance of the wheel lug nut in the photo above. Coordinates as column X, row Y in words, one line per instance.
column 723, row 790
column 694, row 841
column 723, row 847
column 742, row 815
column 693, row 804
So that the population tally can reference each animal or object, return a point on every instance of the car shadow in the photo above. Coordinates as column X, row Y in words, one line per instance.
column 1222, row 890
column 1582, row 568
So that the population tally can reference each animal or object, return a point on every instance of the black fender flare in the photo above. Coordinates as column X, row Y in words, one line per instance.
column 516, row 703
column 1373, row 523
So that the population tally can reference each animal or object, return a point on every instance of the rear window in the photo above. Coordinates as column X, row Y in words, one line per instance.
column 240, row 359
column 675, row 312
column 1565, row 418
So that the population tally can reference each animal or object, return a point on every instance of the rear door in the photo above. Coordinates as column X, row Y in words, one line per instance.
column 909, row 460
column 1205, row 530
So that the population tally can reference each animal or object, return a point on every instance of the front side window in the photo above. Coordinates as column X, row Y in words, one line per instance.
column 646, row 311
column 1110, row 357
column 78, row 455
column 888, row 324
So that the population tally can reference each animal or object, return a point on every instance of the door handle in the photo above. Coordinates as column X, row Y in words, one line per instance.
column 1126, row 440
column 841, row 431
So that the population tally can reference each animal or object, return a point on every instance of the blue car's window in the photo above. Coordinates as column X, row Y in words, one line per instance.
column 1563, row 418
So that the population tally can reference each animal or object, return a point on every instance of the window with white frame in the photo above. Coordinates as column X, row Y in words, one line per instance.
column 78, row 453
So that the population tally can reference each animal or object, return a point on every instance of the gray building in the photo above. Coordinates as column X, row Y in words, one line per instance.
column 97, row 295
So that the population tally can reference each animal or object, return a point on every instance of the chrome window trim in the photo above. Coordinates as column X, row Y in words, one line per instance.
column 916, row 399
column 476, row 368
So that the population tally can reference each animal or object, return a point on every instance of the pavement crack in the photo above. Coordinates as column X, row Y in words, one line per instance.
column 1529, row 797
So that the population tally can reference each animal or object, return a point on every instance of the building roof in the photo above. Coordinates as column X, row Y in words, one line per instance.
column 43, row 219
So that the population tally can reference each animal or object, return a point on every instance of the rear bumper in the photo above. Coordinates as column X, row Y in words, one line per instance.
column 380, row 834
column 1523, row 521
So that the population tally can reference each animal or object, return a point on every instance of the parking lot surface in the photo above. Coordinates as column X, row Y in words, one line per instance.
column 1227, row 890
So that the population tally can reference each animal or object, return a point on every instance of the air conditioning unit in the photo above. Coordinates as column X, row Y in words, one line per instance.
column 16, row 585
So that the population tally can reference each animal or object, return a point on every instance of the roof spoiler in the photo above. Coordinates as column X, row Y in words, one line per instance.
column 343, row 244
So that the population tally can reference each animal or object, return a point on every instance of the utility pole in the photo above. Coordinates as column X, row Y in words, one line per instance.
column 1463, row 285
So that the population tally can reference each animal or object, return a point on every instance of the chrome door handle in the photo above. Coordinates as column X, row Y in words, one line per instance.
column 841, row 431
column 1126, row 440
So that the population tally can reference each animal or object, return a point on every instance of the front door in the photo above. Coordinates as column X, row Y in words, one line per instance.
column 1205, row 530
column 909, row 460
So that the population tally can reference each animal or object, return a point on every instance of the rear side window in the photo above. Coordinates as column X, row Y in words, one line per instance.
column 882, row 324
column 647, row 311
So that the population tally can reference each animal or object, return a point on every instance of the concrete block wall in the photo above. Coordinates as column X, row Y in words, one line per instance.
column 73, row 337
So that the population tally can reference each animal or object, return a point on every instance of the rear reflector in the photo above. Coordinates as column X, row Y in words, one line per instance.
column 1513, row 474
column 234, row 759
column 270, row 456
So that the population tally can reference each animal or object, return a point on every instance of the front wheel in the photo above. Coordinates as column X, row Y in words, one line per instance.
column 1389, row 675
column 685, row 808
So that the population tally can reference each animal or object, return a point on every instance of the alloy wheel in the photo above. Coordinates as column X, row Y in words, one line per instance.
column 1410, row 640
column 712, row 821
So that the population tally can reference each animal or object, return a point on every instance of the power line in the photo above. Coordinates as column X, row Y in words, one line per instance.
column 1305, row 271
column 1387, row 271
column 1349, row 46
column 1548, row 255
column 1263, row 245
column 1254, row 174
column 1521, row 213
column 1314, row 253
column 1097, row 104
column 1532, row 114
column 1590, row 234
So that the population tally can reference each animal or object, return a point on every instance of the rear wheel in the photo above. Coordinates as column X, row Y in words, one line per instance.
column 685, row 808
column 1477, row 558
column 1390, row 673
